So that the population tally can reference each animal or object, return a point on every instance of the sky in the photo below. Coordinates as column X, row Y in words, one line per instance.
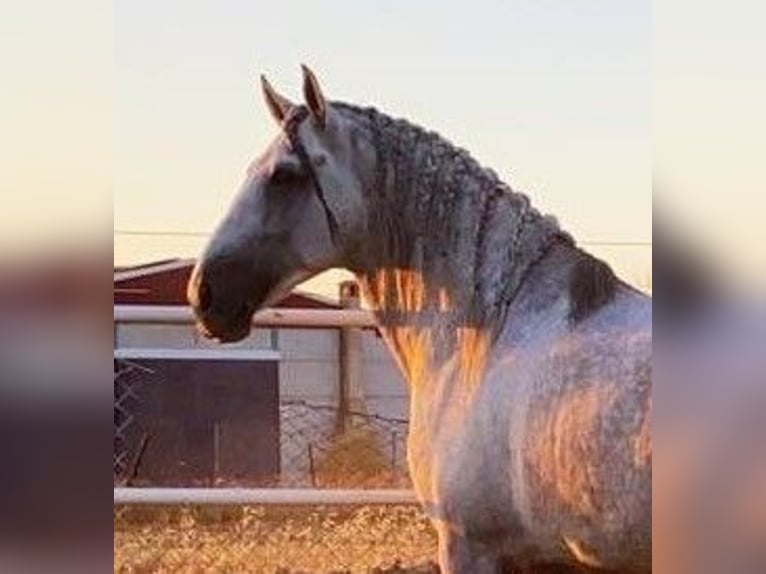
column 555, row 96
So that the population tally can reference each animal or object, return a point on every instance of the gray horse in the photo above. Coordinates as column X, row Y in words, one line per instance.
column 528, row 362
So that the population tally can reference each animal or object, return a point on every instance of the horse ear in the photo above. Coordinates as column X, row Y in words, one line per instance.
column 278, row 105
column 313, row 95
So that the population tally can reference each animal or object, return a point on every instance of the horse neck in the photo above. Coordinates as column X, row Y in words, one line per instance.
column 447, row 248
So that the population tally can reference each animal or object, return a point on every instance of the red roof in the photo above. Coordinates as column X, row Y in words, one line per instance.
column 164, row 283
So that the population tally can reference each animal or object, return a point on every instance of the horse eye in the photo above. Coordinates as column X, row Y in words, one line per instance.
column 285, row 174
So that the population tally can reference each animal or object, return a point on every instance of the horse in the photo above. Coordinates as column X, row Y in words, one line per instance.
column 528, row 360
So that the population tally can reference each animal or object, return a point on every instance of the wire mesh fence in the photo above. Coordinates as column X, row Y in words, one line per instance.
column 319, row 446
column 323, row 447
column 129, row 378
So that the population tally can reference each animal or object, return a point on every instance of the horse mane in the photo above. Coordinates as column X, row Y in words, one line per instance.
column 438, row 210
column 592, row 285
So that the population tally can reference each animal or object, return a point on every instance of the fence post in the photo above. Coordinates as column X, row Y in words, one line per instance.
column 312, row 472
column 350, row 392
column 216, row 452
column 394, row 467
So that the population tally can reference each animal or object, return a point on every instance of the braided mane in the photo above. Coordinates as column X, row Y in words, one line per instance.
column 439, row 213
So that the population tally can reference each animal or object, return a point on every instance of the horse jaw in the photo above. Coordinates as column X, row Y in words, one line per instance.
column 283, row 288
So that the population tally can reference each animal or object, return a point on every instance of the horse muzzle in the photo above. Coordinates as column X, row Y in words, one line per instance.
column 223, row 330
column 223, row 316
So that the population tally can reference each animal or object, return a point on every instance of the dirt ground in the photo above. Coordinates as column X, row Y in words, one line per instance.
column 279, row 540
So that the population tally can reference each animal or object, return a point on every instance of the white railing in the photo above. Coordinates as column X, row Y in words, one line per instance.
column 281, row 496
column 171, row 314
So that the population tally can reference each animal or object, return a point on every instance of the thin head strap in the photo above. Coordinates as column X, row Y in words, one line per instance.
column 291, row 130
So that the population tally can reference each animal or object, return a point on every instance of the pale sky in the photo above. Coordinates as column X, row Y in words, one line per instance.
column 553, row 95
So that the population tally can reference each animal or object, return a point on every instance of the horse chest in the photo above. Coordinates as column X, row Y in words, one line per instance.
column 462, row 477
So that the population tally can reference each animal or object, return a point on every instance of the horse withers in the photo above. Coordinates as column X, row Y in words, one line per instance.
column 528, row 362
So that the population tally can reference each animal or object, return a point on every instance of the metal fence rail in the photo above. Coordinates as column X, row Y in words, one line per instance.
column 281, row 496
column 161, row 314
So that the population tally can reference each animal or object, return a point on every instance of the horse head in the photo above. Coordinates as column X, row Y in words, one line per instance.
column 299, row 211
